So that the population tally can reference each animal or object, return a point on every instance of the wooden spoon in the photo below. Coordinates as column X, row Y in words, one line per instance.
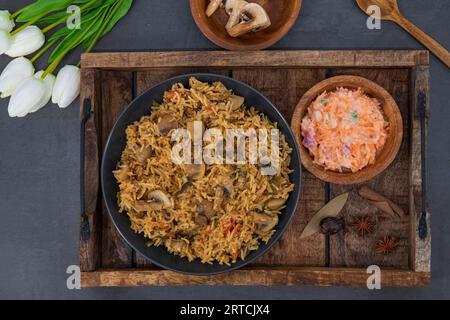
column 389, row 11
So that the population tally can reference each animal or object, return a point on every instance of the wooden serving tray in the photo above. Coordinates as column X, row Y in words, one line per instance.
column 111, row 80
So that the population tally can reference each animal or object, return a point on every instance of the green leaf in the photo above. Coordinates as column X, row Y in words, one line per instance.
column 63, row 32
column 42, row 7
column 122, row 10
column 88, row 26
column 52, row 18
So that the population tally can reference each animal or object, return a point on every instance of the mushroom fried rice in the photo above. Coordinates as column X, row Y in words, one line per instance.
column 217, row 212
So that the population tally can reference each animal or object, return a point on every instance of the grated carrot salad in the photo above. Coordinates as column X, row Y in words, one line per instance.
column 344, row 130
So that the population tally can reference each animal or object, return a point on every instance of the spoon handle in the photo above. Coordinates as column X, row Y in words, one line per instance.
column 425, row 39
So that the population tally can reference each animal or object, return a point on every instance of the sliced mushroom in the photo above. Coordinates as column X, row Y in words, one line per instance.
column 213, row 6
column 158, row 200
column 166, row 123
column 144, row 154
column 275, row 204
column 186, row 185
column 195, row 171
column 142, row 205
column 253, row 17
column 223, row 192
column 206, row 208
column 227, row 187
column 236, row 102
column 233, row 9
column 264, row 223
column 200, row 220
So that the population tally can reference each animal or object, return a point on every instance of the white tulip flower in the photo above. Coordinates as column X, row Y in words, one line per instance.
column 67, row 86
column 28, row 96
column 15, row 72
column 26, row 41
column 5, row 41
column 49, row 83
column 6, row 22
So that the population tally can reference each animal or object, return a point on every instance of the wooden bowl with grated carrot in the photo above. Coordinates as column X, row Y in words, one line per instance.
column 349, row 129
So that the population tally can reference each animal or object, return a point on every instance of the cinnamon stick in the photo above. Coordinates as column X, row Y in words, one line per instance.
column 381, row 202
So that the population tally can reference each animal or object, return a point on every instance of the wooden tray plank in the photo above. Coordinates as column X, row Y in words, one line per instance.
column 90, row 247
column 116, row 95
column 255, row 276
column 284, row 88
column 421, row 247
column 269, row 58
column 347, row 248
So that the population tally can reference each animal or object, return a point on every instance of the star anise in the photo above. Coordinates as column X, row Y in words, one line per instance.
column 363, row 225
column 387, row 245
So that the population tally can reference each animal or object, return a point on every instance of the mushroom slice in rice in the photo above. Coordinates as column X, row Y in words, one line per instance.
column 144, row 154
column 200, row 220
column 195, row 171
column 264, row 223
column 206, row 208
column 223, row 191
column 166, row 123
column 275, row 204
column 236, row 102
column 156, row 200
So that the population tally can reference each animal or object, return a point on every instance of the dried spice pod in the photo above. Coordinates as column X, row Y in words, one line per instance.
column 363, row 225
column 386, row 245
column 331, row 226
column 381, row 202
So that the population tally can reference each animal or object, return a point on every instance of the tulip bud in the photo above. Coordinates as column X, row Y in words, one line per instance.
column 6, row 22
column 15, row 72
column 28, row 96
column 5, row 41
column 67, row 86
column 26, row 41
column 49, row 82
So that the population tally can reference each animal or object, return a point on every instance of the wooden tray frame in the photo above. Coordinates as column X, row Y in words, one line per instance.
column 98, row 271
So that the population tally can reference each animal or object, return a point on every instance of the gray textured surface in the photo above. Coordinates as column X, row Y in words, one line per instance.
column 39, row 155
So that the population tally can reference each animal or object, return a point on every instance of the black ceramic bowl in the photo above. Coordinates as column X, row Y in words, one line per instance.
column 116, row 144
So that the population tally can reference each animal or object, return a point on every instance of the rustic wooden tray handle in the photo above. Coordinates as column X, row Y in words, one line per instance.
column 86, row 114
column 422, row 104
column 89, row 178
column 425, row 39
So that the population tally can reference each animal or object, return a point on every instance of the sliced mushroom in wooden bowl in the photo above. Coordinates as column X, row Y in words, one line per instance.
column 245, row 24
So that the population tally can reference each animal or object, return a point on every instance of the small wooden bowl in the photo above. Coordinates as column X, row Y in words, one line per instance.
column 282, row 13
column 391, row 113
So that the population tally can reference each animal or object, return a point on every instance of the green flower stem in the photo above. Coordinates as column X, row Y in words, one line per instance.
column 15, row 14
column 53, row 25
column 105, row 23
column 29, row 23
column 55, row 63
column 41, row 52
column 63, row 19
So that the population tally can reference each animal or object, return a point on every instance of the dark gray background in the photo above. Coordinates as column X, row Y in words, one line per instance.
column 39, row 154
